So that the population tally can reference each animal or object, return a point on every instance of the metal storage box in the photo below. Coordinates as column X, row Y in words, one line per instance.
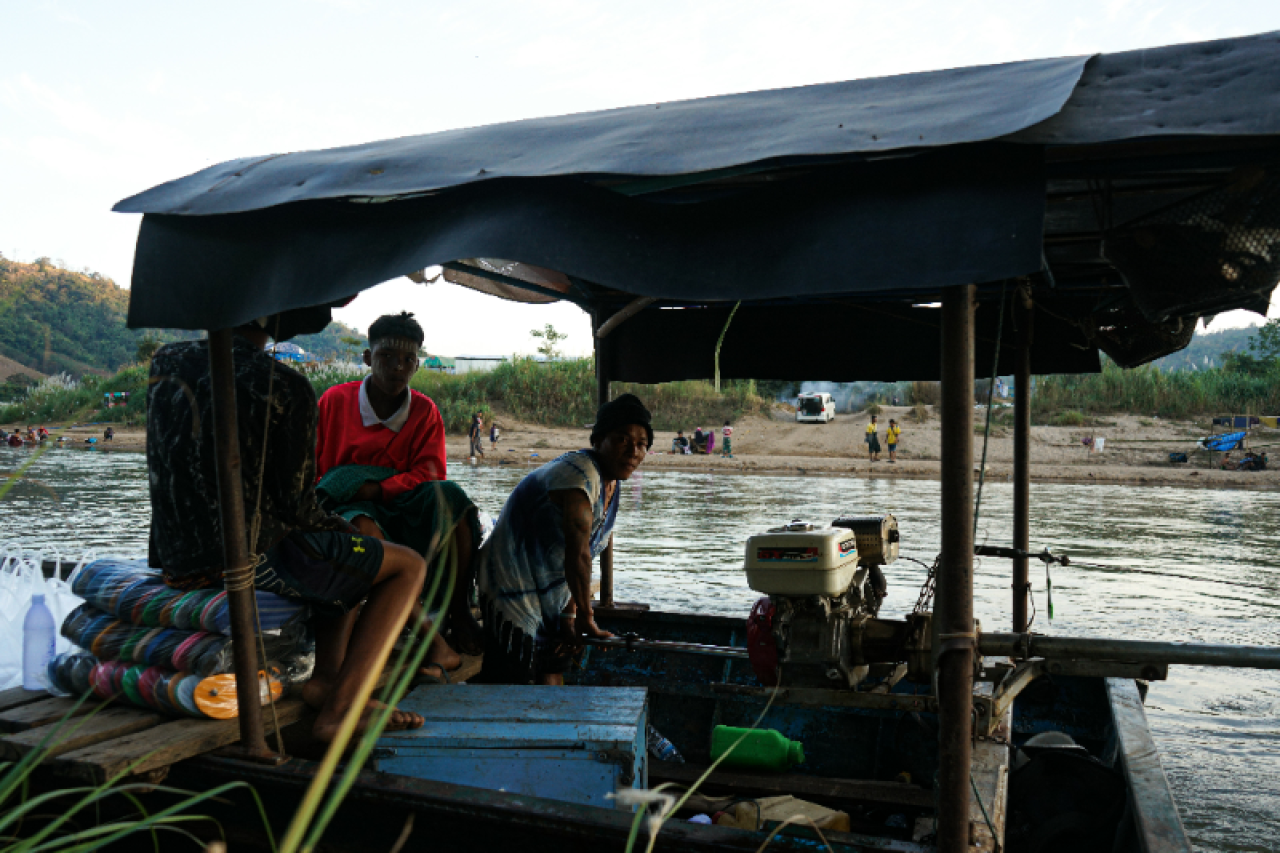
column 820, row 561
column 574, row 744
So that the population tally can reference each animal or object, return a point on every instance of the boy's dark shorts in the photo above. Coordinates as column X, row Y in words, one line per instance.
column 332, row 572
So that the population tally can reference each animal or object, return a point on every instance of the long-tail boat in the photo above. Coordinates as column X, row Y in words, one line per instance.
column 1023, row 218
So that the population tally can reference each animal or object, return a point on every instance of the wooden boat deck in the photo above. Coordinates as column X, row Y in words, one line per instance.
column 123, row 739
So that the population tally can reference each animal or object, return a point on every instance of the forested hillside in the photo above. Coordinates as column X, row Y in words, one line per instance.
column 54, row 319
column 1206, row 349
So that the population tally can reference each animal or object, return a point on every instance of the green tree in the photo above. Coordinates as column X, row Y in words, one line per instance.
column 354, row 346
column 1266, row 344
column 1263, row 356
column 550, row 341
column 146, row 349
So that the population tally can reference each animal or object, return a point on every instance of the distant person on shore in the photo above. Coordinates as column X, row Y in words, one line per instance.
column 475, row 434
column 493, row 435
column 873, row 440
column 680, row 444
column 42, row 434
column 109, row 433
column 891, row 436
column 361, row 591
column 699, row 442
column 535, row 570
column 380, row 457
column 726, row 448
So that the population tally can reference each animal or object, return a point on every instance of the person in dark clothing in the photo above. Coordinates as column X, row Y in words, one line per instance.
column 680, row 444
column 476, row 435
column 296, row 549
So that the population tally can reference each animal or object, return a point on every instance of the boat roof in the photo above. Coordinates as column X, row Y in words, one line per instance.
column 1130, row 193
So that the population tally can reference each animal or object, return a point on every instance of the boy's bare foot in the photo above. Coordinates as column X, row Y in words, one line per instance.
column 327, row 724
column 316, row 693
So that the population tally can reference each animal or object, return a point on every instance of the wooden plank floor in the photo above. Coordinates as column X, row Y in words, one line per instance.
column 119, row 738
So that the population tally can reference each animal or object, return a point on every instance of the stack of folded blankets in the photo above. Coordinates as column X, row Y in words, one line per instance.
column 169, row 649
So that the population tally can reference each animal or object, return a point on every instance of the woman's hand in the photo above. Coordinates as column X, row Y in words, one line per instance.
column 573, row 629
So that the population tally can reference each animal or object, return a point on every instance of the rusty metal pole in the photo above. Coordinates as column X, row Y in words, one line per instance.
column 1022, row 314
column 602, row 396
column 235, row 548
column 956, row 642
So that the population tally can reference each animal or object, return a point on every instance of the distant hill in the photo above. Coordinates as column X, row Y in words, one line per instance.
column 54, row 319
column 1206, row 349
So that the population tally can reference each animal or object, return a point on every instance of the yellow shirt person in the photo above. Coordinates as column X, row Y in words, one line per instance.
column 891, row 436
column 873, row 441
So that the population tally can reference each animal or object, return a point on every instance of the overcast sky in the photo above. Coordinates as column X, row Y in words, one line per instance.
column 99, row 101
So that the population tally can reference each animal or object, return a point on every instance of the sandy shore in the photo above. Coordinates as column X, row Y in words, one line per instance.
column 1136, row 451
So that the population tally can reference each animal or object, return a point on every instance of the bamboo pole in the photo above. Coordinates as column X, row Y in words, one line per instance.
column 1022, row 316
column 235, row 548
column 602, row 397
column 955, row 573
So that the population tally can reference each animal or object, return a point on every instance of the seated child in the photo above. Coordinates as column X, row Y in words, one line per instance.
column 381, row 460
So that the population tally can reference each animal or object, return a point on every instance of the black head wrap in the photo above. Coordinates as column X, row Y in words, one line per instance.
column 621, row 413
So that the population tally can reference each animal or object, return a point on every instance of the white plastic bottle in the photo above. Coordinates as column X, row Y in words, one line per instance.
column 39, row 644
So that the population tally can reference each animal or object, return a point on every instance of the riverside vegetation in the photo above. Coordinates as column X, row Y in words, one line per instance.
column 556, row 393
column 562, row 392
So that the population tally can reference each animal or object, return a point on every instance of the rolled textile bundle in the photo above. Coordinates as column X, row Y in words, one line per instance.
column 199, row 652
column 134, row 592
column 69, row 673
column 176, row 693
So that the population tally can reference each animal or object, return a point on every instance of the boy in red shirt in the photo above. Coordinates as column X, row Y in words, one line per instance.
column 381, row 460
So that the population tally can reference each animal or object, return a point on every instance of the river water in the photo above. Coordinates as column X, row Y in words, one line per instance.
column 680, row 546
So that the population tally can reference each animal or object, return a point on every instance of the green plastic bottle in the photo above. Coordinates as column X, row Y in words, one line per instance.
column 761, row 749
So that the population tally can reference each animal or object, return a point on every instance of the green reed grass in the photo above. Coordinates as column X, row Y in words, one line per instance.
column 557, row 393
column 1149, row 390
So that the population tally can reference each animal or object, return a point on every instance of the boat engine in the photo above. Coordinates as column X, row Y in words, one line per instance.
column 824, row 586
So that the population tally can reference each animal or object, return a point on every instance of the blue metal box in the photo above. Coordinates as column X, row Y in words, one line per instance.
column 570, row 743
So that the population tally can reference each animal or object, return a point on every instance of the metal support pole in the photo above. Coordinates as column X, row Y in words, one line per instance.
column 956, row 642
column 1129, row 651
column 1022, row 315
column 602, row 394
column 235, row 548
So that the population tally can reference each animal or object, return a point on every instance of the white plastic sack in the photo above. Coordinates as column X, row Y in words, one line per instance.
column 21, row 577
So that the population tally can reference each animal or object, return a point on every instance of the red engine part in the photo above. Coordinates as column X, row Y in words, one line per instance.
column 762, row 648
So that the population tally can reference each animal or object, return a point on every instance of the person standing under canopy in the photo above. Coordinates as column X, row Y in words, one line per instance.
column 535, row 570
column 381, row 458
column 296, row 549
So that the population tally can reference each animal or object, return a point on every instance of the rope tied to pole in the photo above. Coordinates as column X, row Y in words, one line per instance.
column 986, row 432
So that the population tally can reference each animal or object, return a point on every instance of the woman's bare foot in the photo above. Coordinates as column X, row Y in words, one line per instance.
column 443, row 654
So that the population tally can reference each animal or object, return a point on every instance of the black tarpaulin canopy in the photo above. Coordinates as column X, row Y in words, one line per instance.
column 1132, row 192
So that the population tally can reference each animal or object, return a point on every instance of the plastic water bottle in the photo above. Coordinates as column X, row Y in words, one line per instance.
column 661, row 748
column 39, row 644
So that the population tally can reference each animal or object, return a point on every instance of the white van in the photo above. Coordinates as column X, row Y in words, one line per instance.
column 816, row 408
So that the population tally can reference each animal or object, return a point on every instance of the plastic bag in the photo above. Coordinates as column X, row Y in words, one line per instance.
column 21, row 577
column 133, row 592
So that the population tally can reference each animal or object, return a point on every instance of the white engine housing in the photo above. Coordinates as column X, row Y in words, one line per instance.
column 802, row 560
